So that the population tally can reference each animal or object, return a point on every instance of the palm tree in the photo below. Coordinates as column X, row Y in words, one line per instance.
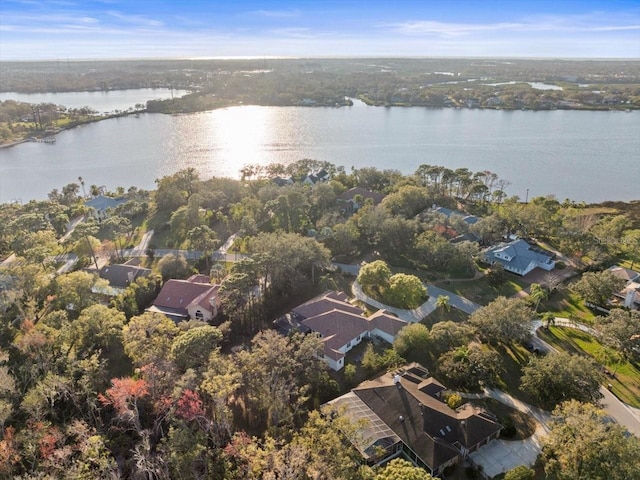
column 84, row 192
column 537, row 294
column 442, row 302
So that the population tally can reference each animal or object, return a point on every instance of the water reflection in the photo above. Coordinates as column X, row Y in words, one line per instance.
column 537, row 151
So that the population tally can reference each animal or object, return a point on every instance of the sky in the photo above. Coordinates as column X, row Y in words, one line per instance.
column 109, row 29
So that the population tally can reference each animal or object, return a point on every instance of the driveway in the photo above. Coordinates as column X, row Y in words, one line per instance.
column 499, row 455
column 411, row 316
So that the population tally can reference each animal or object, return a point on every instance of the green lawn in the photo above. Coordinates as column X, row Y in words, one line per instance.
column 514, row 358
column 479, row 291
column 625, row 385
column 564, row 303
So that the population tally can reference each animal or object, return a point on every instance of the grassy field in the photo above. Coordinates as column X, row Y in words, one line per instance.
column 564, row 303
column 625, row 385
column 514, row 358
column 479, row 291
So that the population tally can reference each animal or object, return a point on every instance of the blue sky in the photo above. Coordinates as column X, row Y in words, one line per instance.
column 79, row 29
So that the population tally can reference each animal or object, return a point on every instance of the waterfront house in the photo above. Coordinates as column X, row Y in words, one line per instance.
column 402, row 413
column 98, row 207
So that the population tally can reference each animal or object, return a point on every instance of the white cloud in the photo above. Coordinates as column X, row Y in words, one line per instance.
column 587, row 23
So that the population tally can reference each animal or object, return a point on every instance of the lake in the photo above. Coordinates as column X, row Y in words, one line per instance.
column 102, row 101
column 581, row 155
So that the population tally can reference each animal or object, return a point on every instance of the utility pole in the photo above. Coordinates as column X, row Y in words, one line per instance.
column 527, row 198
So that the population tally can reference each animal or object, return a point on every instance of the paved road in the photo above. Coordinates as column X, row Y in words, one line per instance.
column 69, row 260
column 141, row 249
column 456, row 301
column 411, row 316
column 72, row 224
column 434, row 292
column 619, row 411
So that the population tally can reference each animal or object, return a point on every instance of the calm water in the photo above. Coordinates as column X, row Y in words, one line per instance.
column 590, row 156
column 103, row 102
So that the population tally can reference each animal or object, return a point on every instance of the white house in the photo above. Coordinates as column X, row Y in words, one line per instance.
column 519, row 257
column 629, row 296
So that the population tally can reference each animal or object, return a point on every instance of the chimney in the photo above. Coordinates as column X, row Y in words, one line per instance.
column 396, row 381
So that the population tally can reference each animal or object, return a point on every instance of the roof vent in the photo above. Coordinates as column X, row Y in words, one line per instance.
column 401, row 418
column 396, row 380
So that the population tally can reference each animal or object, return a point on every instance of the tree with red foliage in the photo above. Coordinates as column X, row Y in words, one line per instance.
column 189, row 405
column 123, row 396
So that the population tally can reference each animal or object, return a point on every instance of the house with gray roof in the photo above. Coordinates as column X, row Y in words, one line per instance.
column 120, row 276
column 447, row 212
column 100, row 205
column 340, row 325
column 402, row 414
column 519, row 257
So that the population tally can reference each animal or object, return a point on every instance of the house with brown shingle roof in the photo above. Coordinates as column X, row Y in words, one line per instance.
column 194, row 298
column 340, row 324
column 404, row 415
column 351, row 205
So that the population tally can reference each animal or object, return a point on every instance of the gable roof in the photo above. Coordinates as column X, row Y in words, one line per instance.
column 121, row 276
column 176, row 296
column 624, row 273
column 337, row 327
column 337, row 321
column 385, row 322
column 326, row 302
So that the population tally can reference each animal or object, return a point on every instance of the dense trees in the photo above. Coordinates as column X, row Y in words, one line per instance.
column 597, row 287
column 503, row 320
column 400, row 469
column 82, row 384
column 470, row 367
column 621, row 331
column 287, row 261
column 555, row 378
column 584, row 445
column 399, row 290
